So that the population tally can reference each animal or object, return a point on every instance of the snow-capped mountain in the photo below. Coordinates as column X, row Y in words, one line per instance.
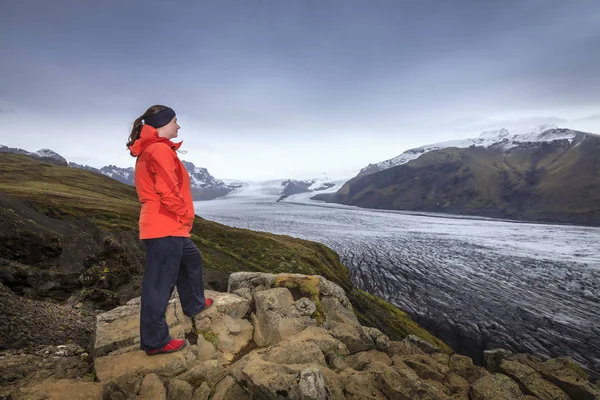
column 43, row 154
column 204, row 185
column 501, row 137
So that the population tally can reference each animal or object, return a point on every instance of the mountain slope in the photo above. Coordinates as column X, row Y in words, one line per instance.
column 72, row 234
column 557, row 180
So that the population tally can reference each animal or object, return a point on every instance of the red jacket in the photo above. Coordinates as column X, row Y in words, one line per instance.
column 163, row 187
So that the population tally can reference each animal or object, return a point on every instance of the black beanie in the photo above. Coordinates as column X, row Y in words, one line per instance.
column 161, row 118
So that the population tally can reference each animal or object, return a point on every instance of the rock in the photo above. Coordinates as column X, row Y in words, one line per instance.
column 424, row 345
column 358, row 360
column 152, row 388
column 179, row 390
column 353, row 336
column 202, row 392
column 244, row 293
column 204, row 350
column 267, row 380
column 233, row 335
column 426, row 368
column 531, row 382
column 312, row 384
column 109, row 368
column 228, row 389
column 360, row 385
column 276, row 317
column 494, row 387
column 464, row 367
column 112, row 391
column 208, row 371
column 228, row 304
column 456, row 383
column 569, row 376
column 335, row 312
column 382, row 342
column 305, row 307
column 403, row 348
column 323, row 339
column 52, row 389
column 254, row 281
column 293, row 352
column 492, row 358
column 128, row 384
column 336, row 363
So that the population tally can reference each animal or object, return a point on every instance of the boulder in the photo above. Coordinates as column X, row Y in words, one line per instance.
column 152, row 388
column 109, row 368
column 569, row 376
column 494, row 387
column 179, row 390
column 531, row 382
column 493, row 358
column 424, row 345
column 228, row 389
column 276, row 317
column 202, row 392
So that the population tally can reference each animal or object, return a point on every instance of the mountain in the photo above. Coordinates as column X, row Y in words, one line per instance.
column 46, row 155
column 204, row 185
column 549, row 175
column 543, row 133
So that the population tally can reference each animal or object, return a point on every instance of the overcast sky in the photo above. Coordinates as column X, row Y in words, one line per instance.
column 288, row 88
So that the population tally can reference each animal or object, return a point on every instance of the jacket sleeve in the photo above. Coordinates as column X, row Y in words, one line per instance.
column 167, row 184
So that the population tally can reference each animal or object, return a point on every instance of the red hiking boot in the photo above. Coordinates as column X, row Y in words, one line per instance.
column 207, row 304
column 171, row 347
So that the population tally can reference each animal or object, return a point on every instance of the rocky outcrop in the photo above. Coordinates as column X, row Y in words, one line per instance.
column 291, row 336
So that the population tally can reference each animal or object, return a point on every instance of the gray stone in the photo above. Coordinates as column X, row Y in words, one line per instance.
column 208, row 371
column 532, row 382
column 255, row 281
column 276, row 317
column 228, row 389
column 152, row 388
column 312, row 384
column 424, row 345
column 494, row 387
column 353, row 336
column 202, row 392
column 305, row 306
column 179, row 390
column 244, row 292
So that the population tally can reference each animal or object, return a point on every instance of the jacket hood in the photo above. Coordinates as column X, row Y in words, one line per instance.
column 148, row 136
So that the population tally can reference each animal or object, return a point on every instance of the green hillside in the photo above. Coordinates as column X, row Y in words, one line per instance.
column 83, row 224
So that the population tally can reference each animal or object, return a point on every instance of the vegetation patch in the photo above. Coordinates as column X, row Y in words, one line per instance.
column 305, row 286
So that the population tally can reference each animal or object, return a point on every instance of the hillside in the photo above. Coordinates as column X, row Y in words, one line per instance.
column 553, row 181
column 72, row 239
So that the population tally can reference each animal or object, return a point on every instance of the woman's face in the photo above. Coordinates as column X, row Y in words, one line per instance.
column 169, row 131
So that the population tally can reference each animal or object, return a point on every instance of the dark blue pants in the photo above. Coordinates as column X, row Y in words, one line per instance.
column 170, row 261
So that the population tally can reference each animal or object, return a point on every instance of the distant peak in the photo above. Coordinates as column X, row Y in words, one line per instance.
column 492, row 134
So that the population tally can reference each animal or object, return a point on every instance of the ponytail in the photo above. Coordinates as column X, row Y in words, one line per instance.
column 138, row 124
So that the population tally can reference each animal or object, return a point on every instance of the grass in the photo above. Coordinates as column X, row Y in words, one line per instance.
column 70, row 193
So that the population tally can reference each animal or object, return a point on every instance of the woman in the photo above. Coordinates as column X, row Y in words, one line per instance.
column 166, row 218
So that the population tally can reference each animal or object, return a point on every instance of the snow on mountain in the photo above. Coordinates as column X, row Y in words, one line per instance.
column 283, row 189
column 46, row 155
column 501, row 137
